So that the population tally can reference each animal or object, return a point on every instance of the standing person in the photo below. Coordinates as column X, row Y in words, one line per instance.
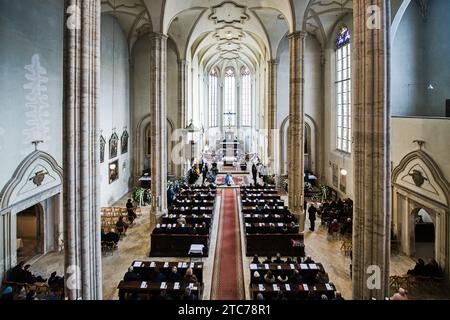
column 312, row 216
column 205, row 172
column 255, row 174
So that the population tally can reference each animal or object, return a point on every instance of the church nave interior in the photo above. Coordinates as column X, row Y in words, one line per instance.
column 154, row 150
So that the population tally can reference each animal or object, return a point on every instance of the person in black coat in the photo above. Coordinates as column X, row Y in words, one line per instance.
column 205, row 172
column 17, row 273
column 255, row 174
column 312, row 211
column 131, row 275
column 174, row 276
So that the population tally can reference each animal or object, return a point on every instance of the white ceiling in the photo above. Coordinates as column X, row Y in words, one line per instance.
column 210, row 31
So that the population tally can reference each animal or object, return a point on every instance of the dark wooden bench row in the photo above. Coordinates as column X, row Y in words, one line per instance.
column 271, row 244
column 152, row 289
column 176, row 245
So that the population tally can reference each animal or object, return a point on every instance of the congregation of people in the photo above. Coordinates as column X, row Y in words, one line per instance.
column 162, row 281
column 22, row 284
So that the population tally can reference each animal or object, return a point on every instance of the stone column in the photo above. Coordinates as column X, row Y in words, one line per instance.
column 83, row 266
column 182, row 89
column 158, row 111
column 296, row 125
column 182, row 92
column 272, row 113
column 371, row 133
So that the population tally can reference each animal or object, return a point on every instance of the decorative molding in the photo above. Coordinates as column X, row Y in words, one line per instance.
column 229, row 12
column 23, row 182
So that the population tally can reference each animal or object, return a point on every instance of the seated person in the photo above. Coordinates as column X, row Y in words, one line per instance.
column 30, row 277
column 17, row 273
column 257, row 279
column 174, row 276
column 278, row 259
column 190, row 276
column 269, row 278
column 131, row 275
column 181, row 220
column 338, row 296
column 112, row 236
column 308, row 260
column 256, row 259
column 203, row 229
column 188, row 295
column 432, row 268
column 268, row 260
column 334, row 226
column 419, row 269
column 289, row 260
column 322, row 277
column 347, row 227
column 55, row 281
column 158, row 276
column 120, row 224
column 295, row 278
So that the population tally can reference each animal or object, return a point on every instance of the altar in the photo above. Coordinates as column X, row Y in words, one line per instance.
column 230, row 149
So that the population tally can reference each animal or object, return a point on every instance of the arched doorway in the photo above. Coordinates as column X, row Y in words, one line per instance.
column 30, row 231
column 424, row 234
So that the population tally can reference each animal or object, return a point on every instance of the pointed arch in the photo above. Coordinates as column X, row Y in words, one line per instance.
column 38, row 172
column 419, row 173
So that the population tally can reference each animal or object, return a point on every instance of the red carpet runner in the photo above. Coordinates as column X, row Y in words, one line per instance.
column 228, row 279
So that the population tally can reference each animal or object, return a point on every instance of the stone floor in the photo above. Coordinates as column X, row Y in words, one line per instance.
column 136, row 246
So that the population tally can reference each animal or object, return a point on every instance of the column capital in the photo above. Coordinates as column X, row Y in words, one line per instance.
column 158, row 36
column 182, row 62
column 298, row 35
column 274, row 61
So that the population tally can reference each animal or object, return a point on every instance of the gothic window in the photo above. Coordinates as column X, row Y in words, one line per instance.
column 213, row 97
column 246, row 97
column 343, row 92
column 229, row 103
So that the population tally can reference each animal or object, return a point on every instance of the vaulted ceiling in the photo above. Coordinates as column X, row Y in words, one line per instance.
column 322, row 16
column 211, row 31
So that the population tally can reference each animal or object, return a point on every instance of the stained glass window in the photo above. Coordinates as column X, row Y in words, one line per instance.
column 343, row 37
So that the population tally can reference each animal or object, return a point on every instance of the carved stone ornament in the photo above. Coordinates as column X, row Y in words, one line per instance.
column 418, row 178
column 38, row 178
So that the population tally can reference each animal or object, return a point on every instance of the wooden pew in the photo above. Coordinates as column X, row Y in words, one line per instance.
column 149, row 290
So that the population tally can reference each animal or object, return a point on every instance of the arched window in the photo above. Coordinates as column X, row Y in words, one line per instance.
column 343, row 91
column 246, row 97
column 213, row 97
column 229, row 99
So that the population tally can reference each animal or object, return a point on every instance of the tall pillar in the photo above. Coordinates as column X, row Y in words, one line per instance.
column 182, row 104
column 158, row 112
column 371, row 132
column 272, row 113
column 296, row 125
column 83, row 266
column 182, row 92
